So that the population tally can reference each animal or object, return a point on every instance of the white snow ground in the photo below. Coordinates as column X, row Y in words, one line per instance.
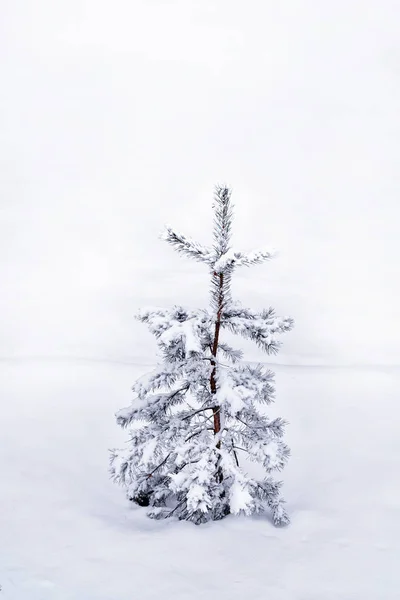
column 67, row 532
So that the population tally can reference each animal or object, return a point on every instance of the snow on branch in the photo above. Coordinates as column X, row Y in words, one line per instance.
column 146, row 408
column 163, row 377
column 232, row 354
column 180, row 333
column 223, row 216
column 188, row 246
column 256, row 257
column 268, row 492
column 262, row 327
column 240, row 387
column 232, row 259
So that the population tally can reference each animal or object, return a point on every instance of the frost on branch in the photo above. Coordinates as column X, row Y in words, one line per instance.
column 239, row 259
column 263, row 328
column 187, row 246
column 197, row 422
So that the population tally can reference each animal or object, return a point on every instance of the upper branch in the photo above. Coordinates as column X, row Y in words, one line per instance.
column 188, row 246
column 223, row 215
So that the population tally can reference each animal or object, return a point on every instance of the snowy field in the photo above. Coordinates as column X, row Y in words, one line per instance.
column 67, row 532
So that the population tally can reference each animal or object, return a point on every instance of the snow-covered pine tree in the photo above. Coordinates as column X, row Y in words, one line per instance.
column 196, row 421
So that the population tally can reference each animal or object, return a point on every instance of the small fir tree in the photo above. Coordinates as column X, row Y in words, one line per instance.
column 195, row 422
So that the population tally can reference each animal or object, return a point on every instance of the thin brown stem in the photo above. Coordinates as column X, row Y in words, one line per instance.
column 213, row 383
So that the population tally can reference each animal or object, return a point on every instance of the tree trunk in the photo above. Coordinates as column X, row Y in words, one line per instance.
column 213, row 384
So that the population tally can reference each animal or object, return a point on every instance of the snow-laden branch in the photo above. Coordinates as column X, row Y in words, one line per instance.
column 232, row 259
column 262, row 328
column 145, row 407
column 187, row 246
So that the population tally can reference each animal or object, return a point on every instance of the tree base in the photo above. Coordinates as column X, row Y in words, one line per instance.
column 141, row 499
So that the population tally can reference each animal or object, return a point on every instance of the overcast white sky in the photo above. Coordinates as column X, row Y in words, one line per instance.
column 117, row 117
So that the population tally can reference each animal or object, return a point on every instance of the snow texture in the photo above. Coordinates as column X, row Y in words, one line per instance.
column 67, row 533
